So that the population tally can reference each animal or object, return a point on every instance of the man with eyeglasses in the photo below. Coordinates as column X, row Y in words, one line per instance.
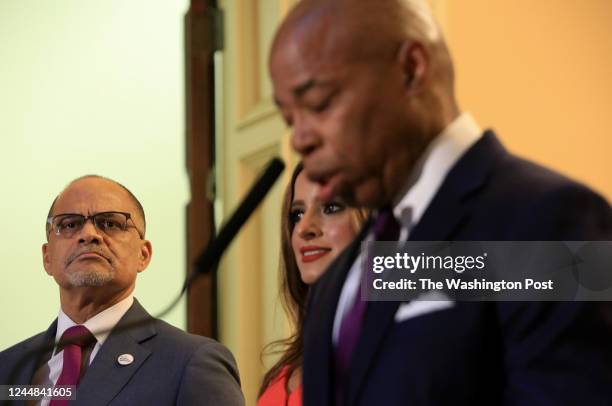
column 116, row 352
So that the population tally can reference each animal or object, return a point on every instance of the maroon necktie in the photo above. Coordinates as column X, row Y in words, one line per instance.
column 386, row 228
column 78, row 337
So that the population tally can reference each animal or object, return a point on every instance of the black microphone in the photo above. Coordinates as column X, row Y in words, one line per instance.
column 211, row 255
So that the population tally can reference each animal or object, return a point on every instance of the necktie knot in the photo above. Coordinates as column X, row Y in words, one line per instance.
column 386, row 227
column 77, row 335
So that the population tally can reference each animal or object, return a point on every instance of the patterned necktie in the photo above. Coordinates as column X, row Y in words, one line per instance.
column 78, row 337
column 386, row 228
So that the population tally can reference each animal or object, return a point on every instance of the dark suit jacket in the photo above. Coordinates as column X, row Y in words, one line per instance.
column 170, row 366
column 477, row 353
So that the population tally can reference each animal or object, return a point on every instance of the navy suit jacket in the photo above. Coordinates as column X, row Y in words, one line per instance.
column 170, row 366
column 477, row 353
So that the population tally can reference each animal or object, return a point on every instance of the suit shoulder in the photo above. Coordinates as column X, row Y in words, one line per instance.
column 532, row 177
column 186, row 340
column 544, row 200
column 524, row 183
column 16, row 355
column 20, row 346
column 210, row 376
column 179, row 341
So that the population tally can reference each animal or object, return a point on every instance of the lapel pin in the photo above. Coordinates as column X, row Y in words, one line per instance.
column 125, row 359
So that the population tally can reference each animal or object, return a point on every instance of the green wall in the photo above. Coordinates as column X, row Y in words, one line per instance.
column 89, row 87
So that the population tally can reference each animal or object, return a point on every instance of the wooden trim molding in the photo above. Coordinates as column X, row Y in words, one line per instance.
column 199, row 94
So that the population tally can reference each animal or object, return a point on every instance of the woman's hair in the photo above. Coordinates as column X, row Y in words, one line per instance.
column 293, row 291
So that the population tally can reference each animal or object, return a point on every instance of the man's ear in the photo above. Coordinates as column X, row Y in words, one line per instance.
column 146, row 251
column 46, row 259
column 413, row 58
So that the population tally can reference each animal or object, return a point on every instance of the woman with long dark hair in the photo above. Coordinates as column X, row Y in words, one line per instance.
column 313, row 233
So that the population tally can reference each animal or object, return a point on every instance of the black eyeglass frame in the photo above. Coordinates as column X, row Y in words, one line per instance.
column 128, row 217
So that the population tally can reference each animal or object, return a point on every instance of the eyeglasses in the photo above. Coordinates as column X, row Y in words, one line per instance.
column 111, row 223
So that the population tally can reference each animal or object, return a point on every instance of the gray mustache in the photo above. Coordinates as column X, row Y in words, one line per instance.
column 94, row 250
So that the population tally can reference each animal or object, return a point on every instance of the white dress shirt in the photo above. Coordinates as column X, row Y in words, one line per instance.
column 99, row 325
column 421, row 186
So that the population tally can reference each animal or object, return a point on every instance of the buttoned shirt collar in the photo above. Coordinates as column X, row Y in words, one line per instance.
column 440, row 156
column 100, row 324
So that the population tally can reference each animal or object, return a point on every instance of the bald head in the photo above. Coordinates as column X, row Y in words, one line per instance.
column 359, row 28
column 139, row 210
column 365, row 86
column 374, row 32
column 412, row 18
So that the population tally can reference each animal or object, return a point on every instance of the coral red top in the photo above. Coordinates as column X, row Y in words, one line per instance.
column 276, row 393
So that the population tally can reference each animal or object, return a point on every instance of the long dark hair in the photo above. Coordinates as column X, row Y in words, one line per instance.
column 293, row 292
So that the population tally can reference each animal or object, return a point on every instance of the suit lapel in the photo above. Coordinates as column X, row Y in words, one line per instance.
column 36, row 351
column 31, row 355
column 450, row 207
column 318, row 349
column 106, row 377
column 444, row 215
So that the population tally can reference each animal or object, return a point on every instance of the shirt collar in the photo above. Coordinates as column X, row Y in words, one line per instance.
column 100, row 324
column 437, row 161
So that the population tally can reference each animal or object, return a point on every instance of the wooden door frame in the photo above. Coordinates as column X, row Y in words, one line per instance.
column 201, row 41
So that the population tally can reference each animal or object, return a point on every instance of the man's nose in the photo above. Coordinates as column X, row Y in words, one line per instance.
column 304, row 139
column 89, row 233
column 308, row 227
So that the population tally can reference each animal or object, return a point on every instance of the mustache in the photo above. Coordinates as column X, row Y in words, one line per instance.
column 89, row 250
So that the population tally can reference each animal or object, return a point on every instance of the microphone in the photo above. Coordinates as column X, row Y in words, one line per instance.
column 211, row 255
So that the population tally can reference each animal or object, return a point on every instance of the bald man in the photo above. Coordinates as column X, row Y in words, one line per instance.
column 367, row 87
column 95, row 249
